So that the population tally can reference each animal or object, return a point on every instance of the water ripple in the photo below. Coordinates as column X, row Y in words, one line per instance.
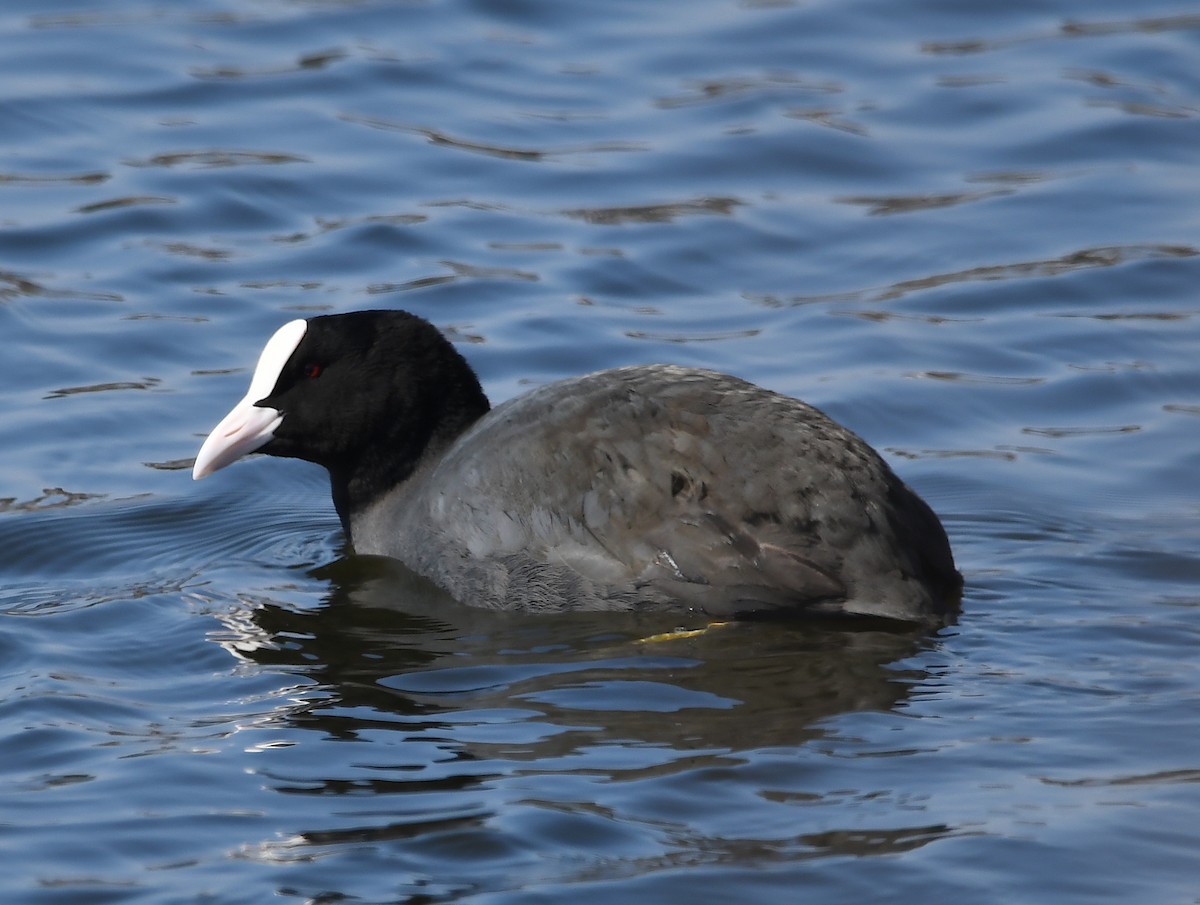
column 1069, row 29
column 73, row 530
column 654, row 213
column 216, row 158
column 1083, row 259
column 438, row 137
column 92, row 178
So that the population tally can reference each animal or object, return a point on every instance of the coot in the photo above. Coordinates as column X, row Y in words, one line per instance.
column 639, row 487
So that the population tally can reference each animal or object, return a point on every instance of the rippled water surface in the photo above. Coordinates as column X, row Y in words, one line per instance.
column 968, row 231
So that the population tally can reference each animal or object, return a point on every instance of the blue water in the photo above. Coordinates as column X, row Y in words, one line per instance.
column 969, row 232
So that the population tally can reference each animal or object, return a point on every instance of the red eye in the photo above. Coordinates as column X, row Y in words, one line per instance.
column 312, row 371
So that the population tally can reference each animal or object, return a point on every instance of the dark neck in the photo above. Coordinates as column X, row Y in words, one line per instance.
column 387, row 464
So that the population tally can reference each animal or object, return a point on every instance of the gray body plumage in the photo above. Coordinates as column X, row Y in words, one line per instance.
column 660, row 486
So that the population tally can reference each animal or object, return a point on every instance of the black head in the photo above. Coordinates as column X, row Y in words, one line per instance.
column 368, row 395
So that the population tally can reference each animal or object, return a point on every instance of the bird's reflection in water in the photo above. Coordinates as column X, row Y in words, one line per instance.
column 457, row 715
column 388, row 644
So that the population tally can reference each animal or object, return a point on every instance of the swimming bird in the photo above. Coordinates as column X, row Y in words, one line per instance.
column 633, row 488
